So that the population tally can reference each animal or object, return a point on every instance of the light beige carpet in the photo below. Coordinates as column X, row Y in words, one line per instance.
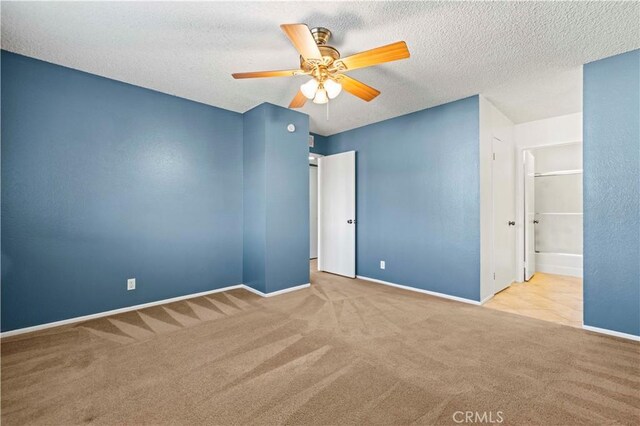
column 342, row 352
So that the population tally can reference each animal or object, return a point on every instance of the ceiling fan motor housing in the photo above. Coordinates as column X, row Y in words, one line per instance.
column 329, row 53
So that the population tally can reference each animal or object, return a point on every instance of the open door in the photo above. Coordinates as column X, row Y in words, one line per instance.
column 530, row 216
column 337, row 214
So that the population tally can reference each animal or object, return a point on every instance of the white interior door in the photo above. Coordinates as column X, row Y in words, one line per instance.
column 529, row 213
column 503, row 215
column 337, row 214
column 313, row 211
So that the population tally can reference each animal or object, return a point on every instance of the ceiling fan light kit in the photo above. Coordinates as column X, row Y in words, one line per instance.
column 320, row 96
column 309, row 88
column 327, row 70
column 333, row 89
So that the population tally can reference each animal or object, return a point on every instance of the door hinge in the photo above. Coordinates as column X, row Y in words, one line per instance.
column 494, row 155
column 494, row 275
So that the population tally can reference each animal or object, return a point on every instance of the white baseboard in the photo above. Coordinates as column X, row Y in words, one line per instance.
column 611, row 333
column 142, row 306
column 559, row 270
column 277, row 293
column 419, row 290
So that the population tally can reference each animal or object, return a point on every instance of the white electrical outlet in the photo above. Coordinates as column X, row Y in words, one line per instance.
column 382, row 264
column 131, row 284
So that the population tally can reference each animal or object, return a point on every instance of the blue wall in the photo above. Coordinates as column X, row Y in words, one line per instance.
column 418, row 203
column 611, row 193
column 320, row 144
column 287, row 198
column 103, row 181
column 276, row 198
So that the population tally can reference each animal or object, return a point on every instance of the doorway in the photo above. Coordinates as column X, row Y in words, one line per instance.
column 554, row 218
column 337, row 214
column 551, row 196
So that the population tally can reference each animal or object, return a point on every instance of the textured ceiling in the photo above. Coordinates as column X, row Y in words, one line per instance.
column 525, row 57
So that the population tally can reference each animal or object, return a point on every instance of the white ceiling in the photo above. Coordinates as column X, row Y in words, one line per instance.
column 525, row 57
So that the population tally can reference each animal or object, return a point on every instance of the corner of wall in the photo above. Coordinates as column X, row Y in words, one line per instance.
column 138, row 225
column 275, row 198
column 321, row 144
column 253, row 206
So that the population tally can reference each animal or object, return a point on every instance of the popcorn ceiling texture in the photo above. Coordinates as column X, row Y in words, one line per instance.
column 525, row 57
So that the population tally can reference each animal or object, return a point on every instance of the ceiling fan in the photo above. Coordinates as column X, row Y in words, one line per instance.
column 326, row 68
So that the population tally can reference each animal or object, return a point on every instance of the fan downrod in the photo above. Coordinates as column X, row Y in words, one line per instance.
column 321, row 35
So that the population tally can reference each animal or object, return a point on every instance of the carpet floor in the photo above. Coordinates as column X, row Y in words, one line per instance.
column 341, row 352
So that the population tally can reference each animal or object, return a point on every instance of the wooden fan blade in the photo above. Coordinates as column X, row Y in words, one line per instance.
column 260, row 74
column 379, row 55
column 298, row 100
column 357, row 88
column 302, row 40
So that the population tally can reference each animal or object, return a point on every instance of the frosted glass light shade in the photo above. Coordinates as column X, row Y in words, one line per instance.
column 321, row 96
column 333, row 88
column 309, row 88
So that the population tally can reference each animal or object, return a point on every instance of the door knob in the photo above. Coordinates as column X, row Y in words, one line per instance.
column 351, row 221
column 535, row 222
column 512, row 223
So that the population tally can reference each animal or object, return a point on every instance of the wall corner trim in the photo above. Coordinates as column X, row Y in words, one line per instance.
column 486, row 299
column 142, row 306
column 419, row 290
column 611, row 333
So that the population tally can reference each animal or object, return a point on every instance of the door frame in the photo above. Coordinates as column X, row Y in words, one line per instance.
column 313, row 162
column 525, row 217
column 520, row 210
column 313, row 158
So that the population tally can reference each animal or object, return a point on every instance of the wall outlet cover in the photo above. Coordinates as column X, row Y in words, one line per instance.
column 131, row 284
column 382, row 264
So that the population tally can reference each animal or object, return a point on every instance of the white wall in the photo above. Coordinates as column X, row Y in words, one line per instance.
column 550, row 131
column 558, row 157
column 555, row 131
column 493, row 123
